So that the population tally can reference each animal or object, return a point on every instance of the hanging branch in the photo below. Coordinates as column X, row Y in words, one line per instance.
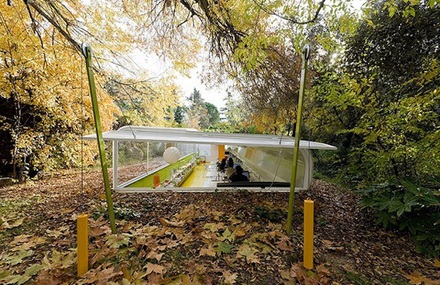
column 34, row 26
column 51, row 20
column 292, row 19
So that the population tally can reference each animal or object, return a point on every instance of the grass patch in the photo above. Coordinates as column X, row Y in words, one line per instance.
column 355, row 278
column 392, row 281
column 274, row 216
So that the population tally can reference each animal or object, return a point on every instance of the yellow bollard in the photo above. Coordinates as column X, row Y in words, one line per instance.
column 308, row 234
column 83, row 244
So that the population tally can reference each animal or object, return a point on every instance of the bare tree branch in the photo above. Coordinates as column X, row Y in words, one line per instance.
column 292, row 20
column 35, row 26
column 51, row 20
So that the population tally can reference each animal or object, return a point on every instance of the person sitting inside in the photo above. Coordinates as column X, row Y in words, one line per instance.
column 222, row 165
column 238, row 175
column 230, row 168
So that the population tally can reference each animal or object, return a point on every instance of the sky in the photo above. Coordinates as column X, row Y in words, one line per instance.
column 157, row 68
column 214, row 96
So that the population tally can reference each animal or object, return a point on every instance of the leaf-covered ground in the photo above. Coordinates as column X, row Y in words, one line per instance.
column 193, row 238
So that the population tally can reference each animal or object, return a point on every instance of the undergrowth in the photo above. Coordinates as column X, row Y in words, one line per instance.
column 406, row 206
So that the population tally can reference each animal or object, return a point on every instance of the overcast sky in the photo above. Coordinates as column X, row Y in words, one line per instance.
column 214, row 96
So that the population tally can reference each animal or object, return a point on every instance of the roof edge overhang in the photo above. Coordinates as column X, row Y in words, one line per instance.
column 193, row 136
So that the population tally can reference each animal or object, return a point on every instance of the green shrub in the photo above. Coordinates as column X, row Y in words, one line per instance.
column 407, row 207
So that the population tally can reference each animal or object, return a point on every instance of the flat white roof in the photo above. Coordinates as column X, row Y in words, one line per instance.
column 192, row 136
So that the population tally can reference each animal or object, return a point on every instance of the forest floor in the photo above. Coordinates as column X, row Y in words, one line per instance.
column 196, row 238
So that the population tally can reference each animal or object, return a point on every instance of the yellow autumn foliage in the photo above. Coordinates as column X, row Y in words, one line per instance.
column 44, row 96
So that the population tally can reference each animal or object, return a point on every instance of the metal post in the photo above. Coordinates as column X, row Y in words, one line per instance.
column 305, row 59
column 87, row 52
column 115, row 147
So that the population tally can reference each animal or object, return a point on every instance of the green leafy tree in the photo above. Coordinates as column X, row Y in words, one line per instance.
column 200, row 114
column 213, row 115
column 234, row 114
column 196, row 113
column 179, row 115
column 381, row 107
column 397, row 71
column 379, row 103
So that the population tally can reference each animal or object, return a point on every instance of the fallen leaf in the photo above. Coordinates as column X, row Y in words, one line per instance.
column 186, row 280
column 58, row 260
column 161, row 248
column 214, row 227
column 285, row 274
column 156, row 268
column 178, row 280
column 322, row 269
column 239, row 232
column 32, row 242
column 298, row 271
column 126, row 272
column 208, row 250
column 118, row 240
column 105, row 252
column 336, row 248
column 46, row 278
column 223, row 247
column 98, row 223
column 249, row 253
column 138, row 276
column 234, row 221
column 229, row 277
column 54, row 233
column 327, row 242
column 200, row 269
column 67, row 211
column 15, row 224
column 188, row 213
column 155, row 279
column 97, row 275
column 152, row 254
column 283, row 245
column 23, row 278
column 209, row 236
column 228, row 235
column 200, row 280
column 165, row 222
column 415, row 278
column 217, row 215
column 98, row 231
column 18, row 258
column 19, row 239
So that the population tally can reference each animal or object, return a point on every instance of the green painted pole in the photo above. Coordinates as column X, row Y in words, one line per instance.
column 305, row 59
column 87, row 52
